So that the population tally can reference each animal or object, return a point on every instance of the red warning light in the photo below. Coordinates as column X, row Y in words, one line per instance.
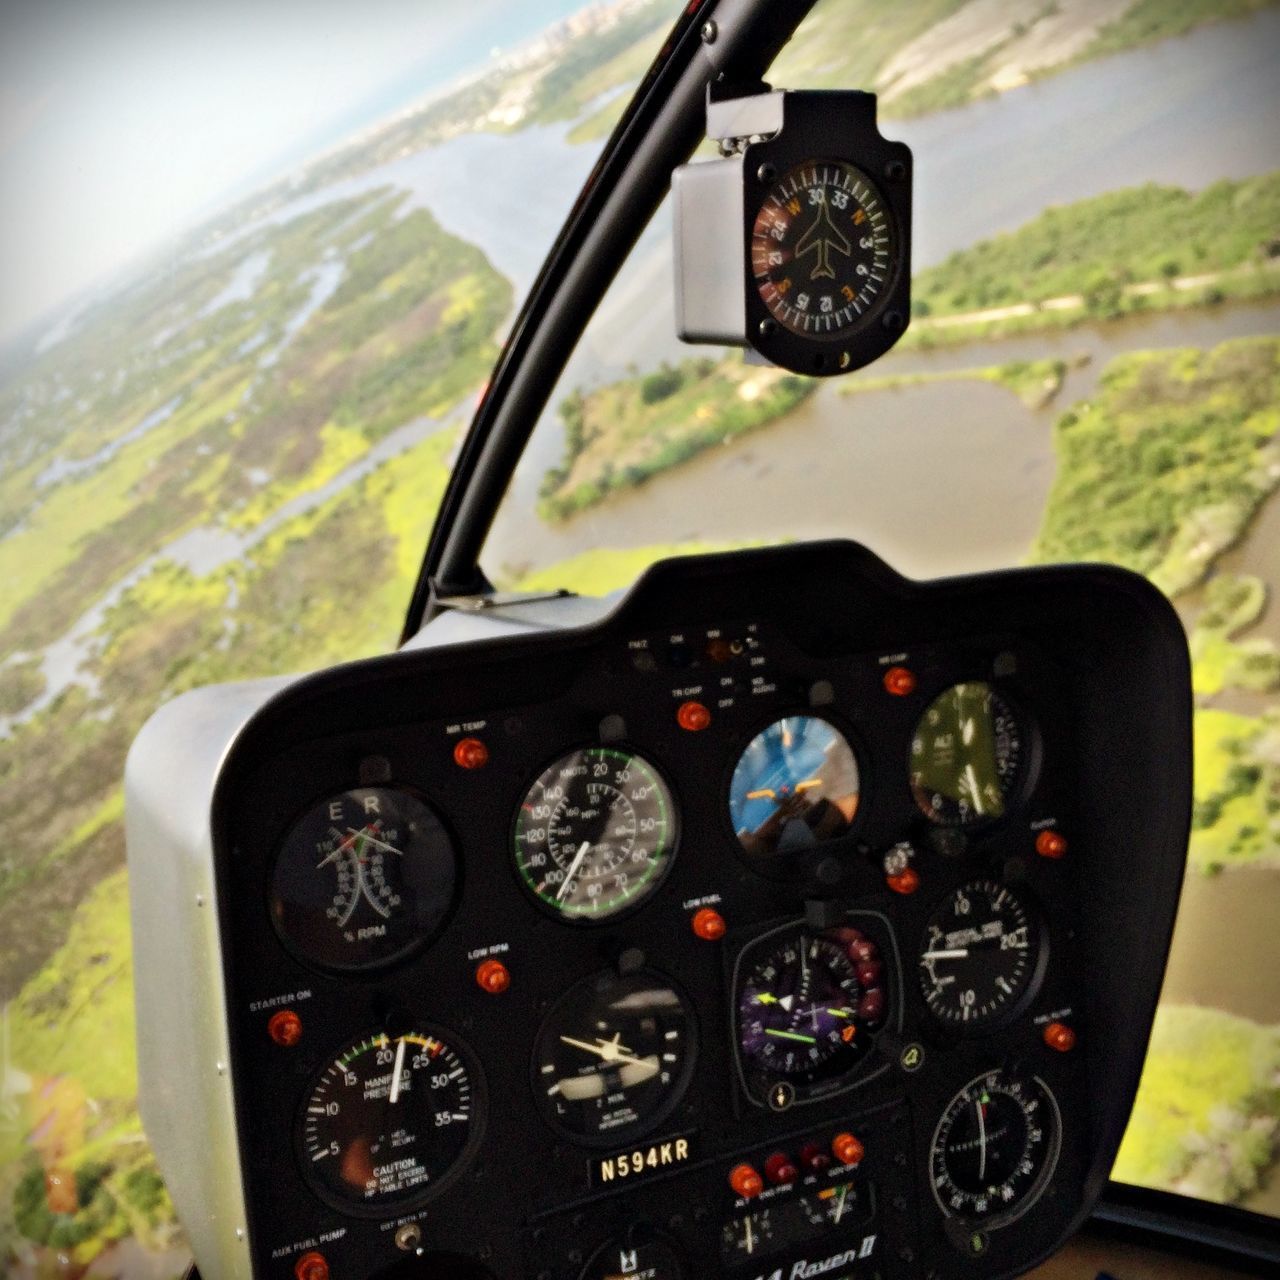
column 1059, row 1036
column 285, row 1028
column 904, row 882
column 900, row 681
column 1049, row 844
column 709, row 925
column 311, row 1266
column 693, row 717
column 493, row 976
column 470, row 753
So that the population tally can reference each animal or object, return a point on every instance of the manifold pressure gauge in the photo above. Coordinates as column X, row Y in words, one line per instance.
column 797, row 242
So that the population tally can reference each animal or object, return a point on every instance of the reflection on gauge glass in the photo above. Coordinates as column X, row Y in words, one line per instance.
column 390, row 1121
column 795, row 786
column 823, row 249
column 965, row 755
column 980, row 954
column 652, row 1259
column 808, row 1005
column 995, row 1148
column 363, row 878
column 614, row 1057
column 595, row 833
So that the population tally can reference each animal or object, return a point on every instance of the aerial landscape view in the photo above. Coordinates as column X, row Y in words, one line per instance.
column 224, row 462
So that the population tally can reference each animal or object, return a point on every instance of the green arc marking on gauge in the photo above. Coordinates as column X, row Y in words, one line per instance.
column 653, row 863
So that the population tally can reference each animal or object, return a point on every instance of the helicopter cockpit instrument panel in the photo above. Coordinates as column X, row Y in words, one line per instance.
column 785, row 919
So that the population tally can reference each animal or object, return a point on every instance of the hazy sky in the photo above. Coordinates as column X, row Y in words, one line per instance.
column 122, row 121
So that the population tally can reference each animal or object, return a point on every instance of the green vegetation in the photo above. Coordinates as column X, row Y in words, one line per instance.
column 618, row 437
column 1205, row 1119
column 1236, row 820
column 21, row 683
column 1231, row 605
column 1166, row 468
column 1146, row 21
column 1113, row 254
column 1035, row 382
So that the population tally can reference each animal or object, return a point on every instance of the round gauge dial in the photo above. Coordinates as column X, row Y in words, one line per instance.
column 823, row 249
column 595, row 834
column 980, row 954
column 965, row 755
column 390, row 1121
column 747, row 1236
column 795, row 786
column 614, row 1057
column 808, row 1004
column 651, row 1259
column 833, row 1206
column 995, row 1148
column 363, row 879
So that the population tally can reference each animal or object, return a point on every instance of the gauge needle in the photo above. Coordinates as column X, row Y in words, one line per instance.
column 982, row 1141
column 370, row 838
column 339, row 850
column 395, row 1072
column 573, row 869
column 751, row 1240
column 790, row 1035
column 609, row 1050
column 974, row 793
column 956, row 953
column 844, row 1191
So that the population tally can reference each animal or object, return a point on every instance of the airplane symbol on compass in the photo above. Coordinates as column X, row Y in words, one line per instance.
column 823, row 237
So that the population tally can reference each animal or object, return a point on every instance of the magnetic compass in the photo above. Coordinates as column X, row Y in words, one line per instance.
column 798, row 241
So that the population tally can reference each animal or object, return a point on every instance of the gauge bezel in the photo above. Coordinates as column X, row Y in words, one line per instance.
column 675, row 1095
column 994, row 1221
column 375, row 1209
column 1038, row 925
column 782, row 866
column 421, row 939
column 647, row 1238
column 1028, row 769
column 651, row 886
column 870, row 316
column 807, row 1094
column 814, row 135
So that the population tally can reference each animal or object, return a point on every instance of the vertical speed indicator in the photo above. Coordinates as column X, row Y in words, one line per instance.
column 595, row 834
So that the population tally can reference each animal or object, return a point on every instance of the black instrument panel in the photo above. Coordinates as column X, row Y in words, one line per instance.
column 792, row 920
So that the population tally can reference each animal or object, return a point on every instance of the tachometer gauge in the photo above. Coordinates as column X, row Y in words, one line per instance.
column 824, row 249
column 966, row 755
column 614, row 1057
column 980, row 956
column 995, row 1148
column 390, row 1121
column 807, row 1006
column 363, row 879
column 595, row 834
column 795, row 786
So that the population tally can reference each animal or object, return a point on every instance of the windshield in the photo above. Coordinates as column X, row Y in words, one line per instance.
column 1091, row 373
column 257, row 272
